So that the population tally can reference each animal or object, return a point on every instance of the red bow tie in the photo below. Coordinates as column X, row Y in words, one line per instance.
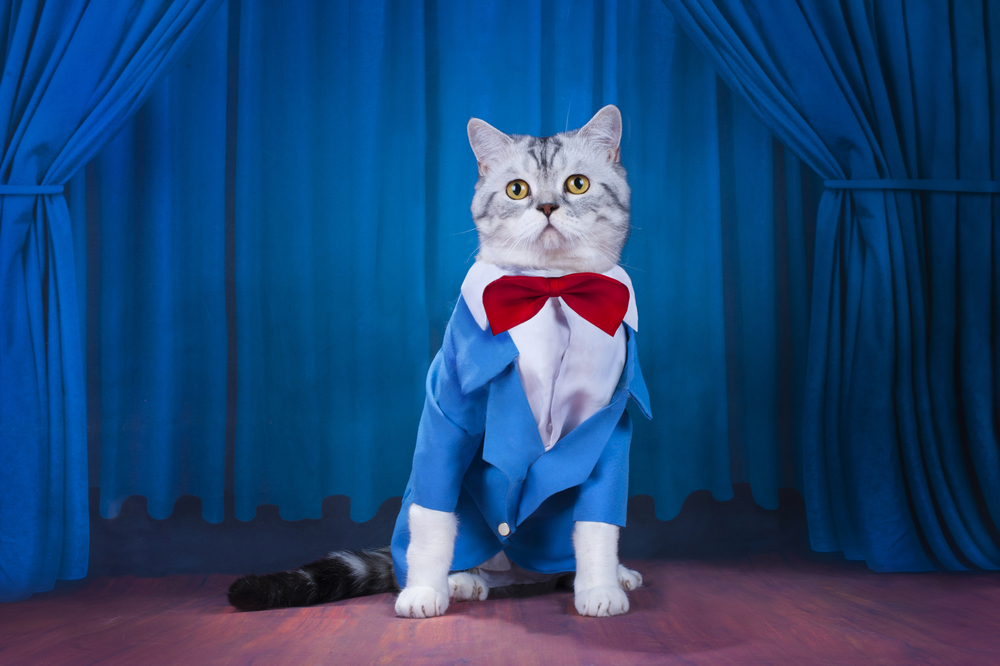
column 514, row 299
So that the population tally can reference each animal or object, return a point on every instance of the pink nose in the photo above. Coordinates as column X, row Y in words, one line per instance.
column 547, row 208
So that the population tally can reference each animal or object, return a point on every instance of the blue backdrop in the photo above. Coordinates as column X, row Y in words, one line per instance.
column 335, row 134
column 269, row 252
column 73, row 73
column 896, row 105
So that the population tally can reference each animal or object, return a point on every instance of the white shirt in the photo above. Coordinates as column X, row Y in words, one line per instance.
column 569, row 368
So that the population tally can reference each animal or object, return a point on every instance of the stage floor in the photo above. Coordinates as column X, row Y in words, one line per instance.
column 759, row 609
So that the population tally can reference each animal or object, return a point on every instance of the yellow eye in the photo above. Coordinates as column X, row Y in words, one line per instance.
column 517, row 189
column 577, row 184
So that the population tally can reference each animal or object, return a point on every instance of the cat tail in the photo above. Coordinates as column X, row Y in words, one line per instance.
column 339, row 575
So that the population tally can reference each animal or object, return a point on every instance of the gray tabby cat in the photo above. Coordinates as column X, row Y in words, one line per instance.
column 554, row 205
column 587, row 228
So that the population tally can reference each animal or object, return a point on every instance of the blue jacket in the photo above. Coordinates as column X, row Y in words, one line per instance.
column 479, row 454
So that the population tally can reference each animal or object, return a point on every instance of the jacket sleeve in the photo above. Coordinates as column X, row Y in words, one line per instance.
column 451, row 427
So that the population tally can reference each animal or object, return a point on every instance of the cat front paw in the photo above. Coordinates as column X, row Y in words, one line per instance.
column 603, row 601
column 467, row 586
column 628, row 579
column 421, row 602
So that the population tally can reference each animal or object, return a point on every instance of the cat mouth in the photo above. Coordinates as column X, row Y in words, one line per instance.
column 550, row 229
column 553, row 242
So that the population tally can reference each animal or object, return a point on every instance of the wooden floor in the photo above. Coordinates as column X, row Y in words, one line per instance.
column 763, row 609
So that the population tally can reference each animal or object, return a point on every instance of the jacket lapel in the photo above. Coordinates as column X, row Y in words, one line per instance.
column 479, row 355
column 632, row 376
column 512, row 442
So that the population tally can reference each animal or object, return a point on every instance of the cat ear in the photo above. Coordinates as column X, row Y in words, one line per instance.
column 488, row 143
column 605, row 131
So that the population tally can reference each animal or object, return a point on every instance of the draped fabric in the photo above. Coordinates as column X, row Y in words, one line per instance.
column 340, row 223
column 73, row 72
column 900, row 453
column 156, row 340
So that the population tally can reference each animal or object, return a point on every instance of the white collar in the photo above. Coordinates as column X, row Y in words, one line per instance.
column 482, row 273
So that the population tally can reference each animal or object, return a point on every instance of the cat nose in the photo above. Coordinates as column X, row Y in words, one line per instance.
column 547, row 208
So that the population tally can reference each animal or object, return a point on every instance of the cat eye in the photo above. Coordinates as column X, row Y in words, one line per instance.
column 517, row 189
column 577, row 184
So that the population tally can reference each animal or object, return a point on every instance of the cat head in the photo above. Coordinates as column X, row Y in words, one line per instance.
column 558, row 202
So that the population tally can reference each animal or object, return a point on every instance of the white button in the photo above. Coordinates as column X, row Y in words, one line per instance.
column 503, row 529
column 550, row 426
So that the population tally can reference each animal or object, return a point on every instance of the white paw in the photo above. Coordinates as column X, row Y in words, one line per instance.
column 466, row 586
column 602, row 601
column 421, row 602
column 628, row 579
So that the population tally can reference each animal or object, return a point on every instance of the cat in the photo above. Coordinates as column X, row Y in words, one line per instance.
column 488, row 498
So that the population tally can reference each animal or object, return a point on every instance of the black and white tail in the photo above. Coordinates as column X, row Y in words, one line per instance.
column 340, row 575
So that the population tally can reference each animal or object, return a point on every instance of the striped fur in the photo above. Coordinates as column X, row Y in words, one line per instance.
column 340, row 575
column 345, row 575
column 584, row 232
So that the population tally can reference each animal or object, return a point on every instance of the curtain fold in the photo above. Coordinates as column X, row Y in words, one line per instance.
column 351, row 179
column 900, row 451
column 331, row 323
column 72, row 74
column 157, row 353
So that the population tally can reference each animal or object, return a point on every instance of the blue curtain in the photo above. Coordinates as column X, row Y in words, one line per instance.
column 895, row 104
column 307, row 287
column 73, row 72
column 157, row 341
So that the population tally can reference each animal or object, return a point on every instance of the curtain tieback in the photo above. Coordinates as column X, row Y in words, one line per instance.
column 30, row 189
column 975, row 186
